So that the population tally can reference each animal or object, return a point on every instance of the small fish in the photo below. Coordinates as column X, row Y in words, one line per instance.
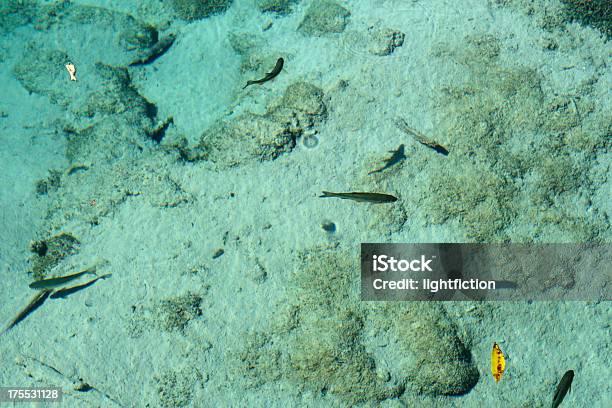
column 397, row 156
column 270, row 75
column 52, row 283
column 421, row 138
column 65, row 292
column 34, row 304
column 563, row 388
column 374, row 198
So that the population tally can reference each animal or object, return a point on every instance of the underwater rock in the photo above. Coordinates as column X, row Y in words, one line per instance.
column 480, row 49
column 170, row 314
column 113, row 98
column 388, row 219
column 443, row 364
column 15, row 13
column 88, row 195
column 324, row 17
column 108, row 91
column 49, row 252
column 596, row 13
column 376, row 41
column 327, row 354
column 175, row 386
column 191, row 10
column 116, row 94
column 175, row 313
column 385, row 41
column 243, row 43
column 126, row 165
column 281, row 7
column 41, row 71
column 315, row 344
column 478, row 196
column 500, row 178
column 132, row 33
column 553, row 16
column 50, row 183
column 263, row 137
column 247, row 137
column 149, row 55
column 319, row 341
column 302, row 108
column 113, row 118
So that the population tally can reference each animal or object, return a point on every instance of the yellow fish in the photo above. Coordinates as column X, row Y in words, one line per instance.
column 498, row 362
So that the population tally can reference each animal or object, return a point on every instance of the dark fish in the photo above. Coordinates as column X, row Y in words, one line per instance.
column 563, row 388
column 437, row 148
column 270, row 75
column 61, row 280
column 421, row 138
column 397, row 156
column 34, row 304
column 375, row 198
column 451, row 257
column 218, row 253
column 65, row 292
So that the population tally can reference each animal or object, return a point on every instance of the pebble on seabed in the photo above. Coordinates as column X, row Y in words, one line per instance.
column 310, row 141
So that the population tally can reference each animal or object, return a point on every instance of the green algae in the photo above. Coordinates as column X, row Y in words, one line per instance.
column 171, row 314
column 48, row 253
column 596, row 13
column 176, row 312
column 49, row 184
column 175, row 386
column 191, row 10
column 15, row 13
column 280, row 7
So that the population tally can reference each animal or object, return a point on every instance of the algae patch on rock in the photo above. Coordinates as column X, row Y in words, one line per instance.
column 324, row 17
column 198, row 9
column 42, row 71
column 175, row 386
column 247, row 137
column 49, row 252
column 597, row 13
column 320, row 341
column 281, row 7
column 443, row 364
column 15, row 13
column 169, row 314
column 250, row 136
column 519, row 158
column 316, row 344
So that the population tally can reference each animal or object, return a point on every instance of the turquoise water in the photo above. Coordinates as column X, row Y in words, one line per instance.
column 217, row 276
